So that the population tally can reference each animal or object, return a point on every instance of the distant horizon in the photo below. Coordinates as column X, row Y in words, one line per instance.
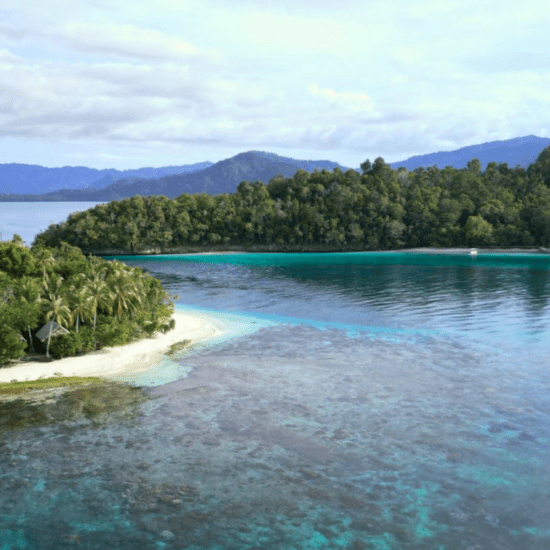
column 297, row 156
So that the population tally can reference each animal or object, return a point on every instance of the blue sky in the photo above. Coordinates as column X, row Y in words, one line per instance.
column 128, row 84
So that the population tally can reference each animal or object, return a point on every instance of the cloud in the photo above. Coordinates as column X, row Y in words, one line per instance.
column 538, row 62
column 270, row 29
column 286, row 74
column 124, row 41
column 352, row 101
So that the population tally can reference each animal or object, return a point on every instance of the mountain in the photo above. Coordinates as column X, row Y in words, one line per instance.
column 32, row 179
column 221, row 177
column 521, row 150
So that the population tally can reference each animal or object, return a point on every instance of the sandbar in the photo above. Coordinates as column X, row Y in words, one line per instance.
column 120, row 360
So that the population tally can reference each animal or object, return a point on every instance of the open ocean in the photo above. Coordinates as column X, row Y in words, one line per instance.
column 365, row 401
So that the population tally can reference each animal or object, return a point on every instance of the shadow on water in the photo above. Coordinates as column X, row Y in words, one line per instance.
column 97, row 402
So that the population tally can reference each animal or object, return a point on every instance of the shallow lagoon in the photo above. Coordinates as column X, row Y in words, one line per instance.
column 364, row 405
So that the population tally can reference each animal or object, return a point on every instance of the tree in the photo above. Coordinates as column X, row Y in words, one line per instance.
column 28, row 293
column 57, row 311
column 125, row 294
column 44, row 258
column 478, row 231
column 16, row 259
column 80, row 304
column 101, row 297
column 366, row 166
column 12, row 346
column 474, row 166
column 379, row 166
column 52, row 284
column 541, row 167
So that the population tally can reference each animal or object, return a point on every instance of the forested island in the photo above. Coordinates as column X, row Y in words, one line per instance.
column 60, row 302
column 378, row 209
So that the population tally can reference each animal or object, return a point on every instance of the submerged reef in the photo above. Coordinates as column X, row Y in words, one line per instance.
column 97, row 401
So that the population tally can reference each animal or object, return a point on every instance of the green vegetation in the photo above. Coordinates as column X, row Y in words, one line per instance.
column 178, row 346
column 13, row 388
column 380, row 209
column 98, row 303
column 98, row 401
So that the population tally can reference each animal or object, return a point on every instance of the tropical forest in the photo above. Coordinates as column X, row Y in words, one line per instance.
column 87, row 302
column 330, row 210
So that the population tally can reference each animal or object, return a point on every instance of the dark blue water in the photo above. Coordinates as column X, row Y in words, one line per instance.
column 387, row 406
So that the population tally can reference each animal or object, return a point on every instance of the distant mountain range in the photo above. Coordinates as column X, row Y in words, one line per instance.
column 33, row 179
column 21, row 182
column 221, row 177
column 522, row 151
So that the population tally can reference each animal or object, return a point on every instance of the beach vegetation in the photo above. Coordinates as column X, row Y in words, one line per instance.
column 87, row 301
column 14, row 388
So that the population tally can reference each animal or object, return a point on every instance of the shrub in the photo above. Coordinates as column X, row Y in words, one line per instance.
column 63, row 346
column 11, row 347
column 72, row 344
column 85, row 340
column 114, row 332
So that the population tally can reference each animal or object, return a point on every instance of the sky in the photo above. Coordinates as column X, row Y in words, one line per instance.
column 129, row 84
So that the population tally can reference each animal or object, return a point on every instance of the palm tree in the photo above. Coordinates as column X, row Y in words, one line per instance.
column 78, row 281
column 125, row 292
column 97, row 265
column 29, row 294
column 100, row 295
column 59, row 312
column 44, row 257
column 51, row 284
column 80, row 303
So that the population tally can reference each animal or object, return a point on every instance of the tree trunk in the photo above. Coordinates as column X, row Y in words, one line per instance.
column 30, row 339
column 95, row 318
column 49, row 338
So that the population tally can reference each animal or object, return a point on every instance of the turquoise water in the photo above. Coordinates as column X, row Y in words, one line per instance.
column 488, row 259
column 367, row 404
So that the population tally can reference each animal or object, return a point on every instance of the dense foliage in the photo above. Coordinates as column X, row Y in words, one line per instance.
column 101, row 303
column 379, row 209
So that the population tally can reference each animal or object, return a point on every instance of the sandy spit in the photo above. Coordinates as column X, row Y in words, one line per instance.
column 118, row 360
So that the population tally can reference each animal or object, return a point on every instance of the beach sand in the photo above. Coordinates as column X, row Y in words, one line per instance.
column 119, row 360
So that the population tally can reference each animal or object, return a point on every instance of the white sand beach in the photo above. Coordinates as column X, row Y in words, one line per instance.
column 130, row 358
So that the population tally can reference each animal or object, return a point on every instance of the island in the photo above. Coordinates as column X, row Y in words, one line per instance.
column 329, row 211
column 63, row 314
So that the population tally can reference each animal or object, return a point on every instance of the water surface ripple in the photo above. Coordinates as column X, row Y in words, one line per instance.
column 382, row 407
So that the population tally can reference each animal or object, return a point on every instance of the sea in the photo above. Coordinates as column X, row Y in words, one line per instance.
column 379, row 401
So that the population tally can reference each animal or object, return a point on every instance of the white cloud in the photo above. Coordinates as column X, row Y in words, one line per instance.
column 266, row 28
column 297, row 75
column 352, row 101
column 124, row 41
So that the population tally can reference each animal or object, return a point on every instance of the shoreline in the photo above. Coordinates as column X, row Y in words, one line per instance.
column 267, row 250
column 428, row 250
column 120, row 360
column 424, row 250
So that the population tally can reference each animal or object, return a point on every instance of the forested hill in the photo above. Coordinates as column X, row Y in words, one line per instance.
column 221, row 177
column 379, row 209
column 32, row 179
column 521, row 150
